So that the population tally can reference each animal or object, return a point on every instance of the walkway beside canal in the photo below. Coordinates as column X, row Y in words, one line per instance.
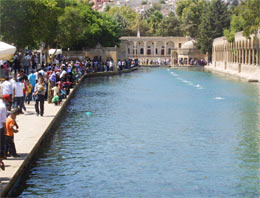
column 31, row 129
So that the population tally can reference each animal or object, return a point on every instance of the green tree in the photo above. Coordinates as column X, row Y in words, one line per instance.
column 28, row 23
column 249, row 14
column 82, row 27
column 170, row 26
column 15, row 26
column 154, row 20
column 215, row 19
column 126, row 17
column 235, row 26
column 189, row 12
column 245, row 18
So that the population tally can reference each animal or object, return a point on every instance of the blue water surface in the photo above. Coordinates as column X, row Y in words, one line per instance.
column 154, row 133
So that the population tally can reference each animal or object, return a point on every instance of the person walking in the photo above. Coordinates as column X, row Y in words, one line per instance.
column 18, row 95
column 27, row 64
column 28, row 92
column 39, row 94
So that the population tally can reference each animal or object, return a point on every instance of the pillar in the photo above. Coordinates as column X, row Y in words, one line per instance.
column 242, row 56
column 135, row 48
column 249, row 55
column 154, row 48
column 126, row 51
column 253, row 56
column 257, row 56
column 115, row 62
column 165, row 48
column 246, row 56
column 145, row 48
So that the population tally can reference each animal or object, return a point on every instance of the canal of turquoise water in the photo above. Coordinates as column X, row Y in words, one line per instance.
column 154, row 133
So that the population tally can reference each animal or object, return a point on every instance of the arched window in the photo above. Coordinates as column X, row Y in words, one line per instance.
column 162, row 52
column 142, row 51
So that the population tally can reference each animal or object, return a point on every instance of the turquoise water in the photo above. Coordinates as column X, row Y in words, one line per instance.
column 154, row 133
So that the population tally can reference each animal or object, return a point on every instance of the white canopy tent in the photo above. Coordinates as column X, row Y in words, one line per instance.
column 52, row 51
column 6, row 51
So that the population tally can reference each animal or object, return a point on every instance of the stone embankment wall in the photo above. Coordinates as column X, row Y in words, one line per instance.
column 240, row 58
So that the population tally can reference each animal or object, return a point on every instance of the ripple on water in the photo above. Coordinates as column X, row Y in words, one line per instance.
column 150, row 135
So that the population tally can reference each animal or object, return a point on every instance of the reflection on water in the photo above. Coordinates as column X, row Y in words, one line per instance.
column 151, row 134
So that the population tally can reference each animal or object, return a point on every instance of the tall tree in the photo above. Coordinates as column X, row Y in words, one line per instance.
column 28, row 23
column 82, row 27
column 189, row 12
column 154, row 20
column 235, row 26
column 127, row 18
column 170, row 26
column 249, row 12
column 18, row 22
column 245, row 18
column 214, row 20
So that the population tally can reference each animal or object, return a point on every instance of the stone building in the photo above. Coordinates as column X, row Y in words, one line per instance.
column 186, row 54
column 175, row 50
column 241, row 57
column 151, row 48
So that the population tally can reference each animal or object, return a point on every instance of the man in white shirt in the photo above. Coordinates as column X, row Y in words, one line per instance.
column 18, row 95
column 7, row 89
column 63, row 73
column 3, row 101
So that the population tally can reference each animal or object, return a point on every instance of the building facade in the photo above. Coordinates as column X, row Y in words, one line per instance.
column 240, row 57
column 173, row 50
column 151, row 49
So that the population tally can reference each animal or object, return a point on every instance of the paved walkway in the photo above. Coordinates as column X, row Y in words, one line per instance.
column 31, row 128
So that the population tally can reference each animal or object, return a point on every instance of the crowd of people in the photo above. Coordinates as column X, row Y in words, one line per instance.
column 193, row 62
column 32, row 81
column 156, row 61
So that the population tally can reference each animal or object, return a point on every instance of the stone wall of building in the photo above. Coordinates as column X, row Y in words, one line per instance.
column 240, row 58
column 151, row 48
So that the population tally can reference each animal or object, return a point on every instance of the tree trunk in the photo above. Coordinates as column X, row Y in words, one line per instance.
column 46, row 52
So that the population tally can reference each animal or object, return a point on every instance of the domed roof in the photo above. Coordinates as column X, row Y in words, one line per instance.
column 189, row 45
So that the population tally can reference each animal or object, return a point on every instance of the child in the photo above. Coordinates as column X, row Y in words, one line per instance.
column 10, row 130
column 56, row 100
column 28, row 92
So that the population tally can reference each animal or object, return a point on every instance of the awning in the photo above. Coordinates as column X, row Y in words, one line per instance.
column 52, row 51
column 6, row 51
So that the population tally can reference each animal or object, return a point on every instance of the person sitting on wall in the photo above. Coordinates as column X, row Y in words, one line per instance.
column 11, row 128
